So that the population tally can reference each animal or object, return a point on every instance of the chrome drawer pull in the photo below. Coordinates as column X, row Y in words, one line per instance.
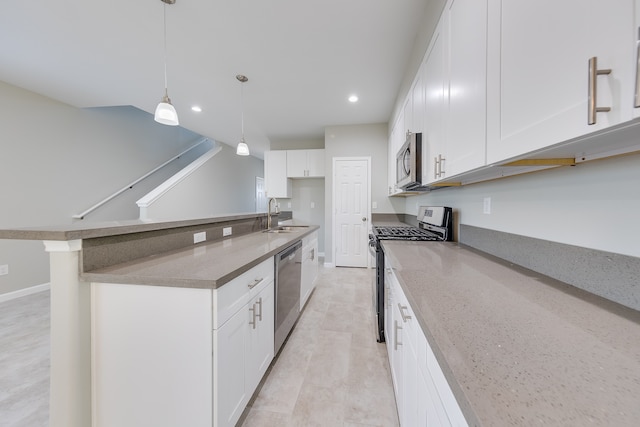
column 260, row 312
column 253, row 315
column 395, row 335
column 255, row 283
column 402, row 308
column 593, row 90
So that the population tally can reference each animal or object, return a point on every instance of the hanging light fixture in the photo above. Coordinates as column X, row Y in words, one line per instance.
column 243, row 148
column 165, row 112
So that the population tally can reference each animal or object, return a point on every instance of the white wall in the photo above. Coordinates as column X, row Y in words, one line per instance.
column 594, row 205
column 358, row 141
column 226, row 184
column 58, row 160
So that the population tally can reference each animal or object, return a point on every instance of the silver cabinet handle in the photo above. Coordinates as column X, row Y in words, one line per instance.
column 253, row 316
column 255, row 283
column 260, row 306
column 593, row 90
column 438, row 171
column 395, row 335
column 402, row 308
column 636, row 104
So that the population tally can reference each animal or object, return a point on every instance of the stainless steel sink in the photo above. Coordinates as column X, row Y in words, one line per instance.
column 285, row 229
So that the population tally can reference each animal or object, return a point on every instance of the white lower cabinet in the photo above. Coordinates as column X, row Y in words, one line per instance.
column 423, row 395
column 168, row 356
column 309, row 266
column 242, row 352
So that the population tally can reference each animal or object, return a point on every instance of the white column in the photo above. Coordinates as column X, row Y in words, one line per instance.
column 70, row 398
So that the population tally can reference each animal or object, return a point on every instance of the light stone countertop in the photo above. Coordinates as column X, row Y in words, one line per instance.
column 200, row 266
column 519, row 348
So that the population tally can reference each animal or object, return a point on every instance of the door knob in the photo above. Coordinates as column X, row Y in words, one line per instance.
column 364, row 219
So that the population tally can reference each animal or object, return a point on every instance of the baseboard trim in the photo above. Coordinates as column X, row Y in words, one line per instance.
column 329, row 265
column 24, row 292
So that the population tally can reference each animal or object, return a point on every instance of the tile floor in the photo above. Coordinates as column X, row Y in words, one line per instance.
column 330, row 372
column 24, row 361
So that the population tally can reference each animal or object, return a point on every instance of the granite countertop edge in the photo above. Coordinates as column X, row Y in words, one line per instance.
column 81, row 230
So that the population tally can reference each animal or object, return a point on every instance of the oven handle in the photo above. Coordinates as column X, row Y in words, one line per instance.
column 372, row 246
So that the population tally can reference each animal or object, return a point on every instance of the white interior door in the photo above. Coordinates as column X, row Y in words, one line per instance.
column 351, row 189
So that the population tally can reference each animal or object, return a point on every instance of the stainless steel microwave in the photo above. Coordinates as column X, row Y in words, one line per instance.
column 409, row 162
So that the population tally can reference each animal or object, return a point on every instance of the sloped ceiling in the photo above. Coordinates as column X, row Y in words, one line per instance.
column 303, row 59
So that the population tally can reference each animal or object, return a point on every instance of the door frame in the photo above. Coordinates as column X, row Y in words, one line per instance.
column 334, row 230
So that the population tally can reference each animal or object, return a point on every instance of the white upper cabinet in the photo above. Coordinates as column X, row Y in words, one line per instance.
column 305, row 163
column 467, row 72
column 434, row 75
column 276, row 182
column 455, row 76
column 543, row 76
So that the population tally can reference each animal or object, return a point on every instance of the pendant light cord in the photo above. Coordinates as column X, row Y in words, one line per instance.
column 242, row 108
column 164, row 11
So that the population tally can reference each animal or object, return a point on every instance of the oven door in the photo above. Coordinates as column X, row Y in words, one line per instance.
column 377, row 290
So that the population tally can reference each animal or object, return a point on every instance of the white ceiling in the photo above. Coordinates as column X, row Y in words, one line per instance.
column 303, row 59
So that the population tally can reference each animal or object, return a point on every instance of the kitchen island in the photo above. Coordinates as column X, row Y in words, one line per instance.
column 141, row 254
column 519, row 348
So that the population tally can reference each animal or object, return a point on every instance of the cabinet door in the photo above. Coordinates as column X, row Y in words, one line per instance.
column 276, row 182
column 467, row 72
column 544, row 50
column 309, row 269
column 315, row 163
column 417, row 100
column 296, row 163
column 230, row 392
column 260, row 336
column 397, row 366
column 433, row 142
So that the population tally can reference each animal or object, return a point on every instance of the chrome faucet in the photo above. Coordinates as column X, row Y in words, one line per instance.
column 273, row 199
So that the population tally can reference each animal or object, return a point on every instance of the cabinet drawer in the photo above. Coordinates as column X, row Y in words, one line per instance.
column 232, row 296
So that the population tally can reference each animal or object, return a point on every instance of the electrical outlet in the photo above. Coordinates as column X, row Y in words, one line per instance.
column 289, row 204
column 374, row 205
column 226, row 231
column 199, row 237
column 486, row 208
column 313, row 205
column 4, row 269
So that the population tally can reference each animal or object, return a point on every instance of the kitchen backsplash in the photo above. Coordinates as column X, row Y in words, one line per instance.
column 609, row 275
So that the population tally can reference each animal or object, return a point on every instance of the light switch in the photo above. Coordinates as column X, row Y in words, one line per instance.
column 313, row 205
column 487, row 205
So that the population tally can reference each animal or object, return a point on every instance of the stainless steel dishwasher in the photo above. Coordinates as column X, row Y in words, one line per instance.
column 288, row 272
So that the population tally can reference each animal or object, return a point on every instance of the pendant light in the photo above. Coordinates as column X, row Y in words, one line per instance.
column 165, row 112
column 243, row 148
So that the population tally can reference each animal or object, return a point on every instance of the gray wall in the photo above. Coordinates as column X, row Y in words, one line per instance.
column 358, row 141
column 593, row 205
column 58, row 160
column 226, row 184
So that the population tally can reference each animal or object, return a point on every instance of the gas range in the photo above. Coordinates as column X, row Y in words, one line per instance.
column 402, row 233
column 434, row 224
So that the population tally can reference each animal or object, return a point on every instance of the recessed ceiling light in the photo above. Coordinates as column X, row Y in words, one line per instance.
column 353, row 98
column 196, row 109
